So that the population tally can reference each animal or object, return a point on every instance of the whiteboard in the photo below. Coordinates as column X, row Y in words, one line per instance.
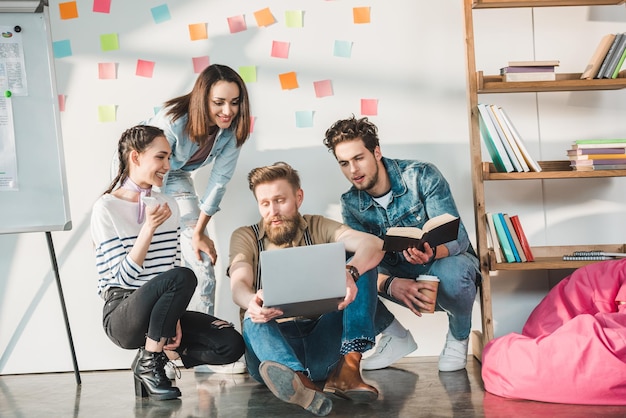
column 41, row 203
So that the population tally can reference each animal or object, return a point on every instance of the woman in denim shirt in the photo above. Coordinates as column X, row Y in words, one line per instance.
column 389, row 193
column 207, row 125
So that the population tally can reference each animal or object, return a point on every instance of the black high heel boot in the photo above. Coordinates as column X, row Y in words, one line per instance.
column 150, row 378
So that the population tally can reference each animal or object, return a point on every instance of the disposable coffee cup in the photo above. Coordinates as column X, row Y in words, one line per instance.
column 431, row 294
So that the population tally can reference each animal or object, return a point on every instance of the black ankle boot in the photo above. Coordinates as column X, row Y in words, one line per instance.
column 150, row 378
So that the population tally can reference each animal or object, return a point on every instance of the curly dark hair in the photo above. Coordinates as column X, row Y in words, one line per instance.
column 351, row 129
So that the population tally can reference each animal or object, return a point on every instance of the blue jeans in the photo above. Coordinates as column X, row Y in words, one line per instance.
column 179, row 185
column 313, row 346
column 458, row 277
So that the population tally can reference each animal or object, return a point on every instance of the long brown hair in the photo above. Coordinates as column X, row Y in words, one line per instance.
column 195, row 105
column 137, row 138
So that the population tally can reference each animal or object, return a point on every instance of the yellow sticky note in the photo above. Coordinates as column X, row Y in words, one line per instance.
column 361, row 14
column 288, row 81
column 293, row 19
column 264, row 17
column 68, row 10
column 106, row 113
column 109, row 42
column 197, row 31
column 248, row 73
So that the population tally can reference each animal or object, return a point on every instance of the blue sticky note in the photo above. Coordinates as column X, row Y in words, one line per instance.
column 304, row 118
column 161, row 13
column 61, row 49
column 343, row 49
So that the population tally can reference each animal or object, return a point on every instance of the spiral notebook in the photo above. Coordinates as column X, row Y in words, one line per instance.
column 304, row 281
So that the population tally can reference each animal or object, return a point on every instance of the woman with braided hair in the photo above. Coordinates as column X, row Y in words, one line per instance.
column 136, row 235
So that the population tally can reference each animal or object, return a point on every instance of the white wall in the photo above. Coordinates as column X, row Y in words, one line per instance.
column 410, row 58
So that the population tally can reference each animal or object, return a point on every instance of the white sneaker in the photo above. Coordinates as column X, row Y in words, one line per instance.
column 237, row 367
column 454, row 354
column 389, row 350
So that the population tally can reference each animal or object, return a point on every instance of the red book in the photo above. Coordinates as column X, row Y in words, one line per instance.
column 517, row 226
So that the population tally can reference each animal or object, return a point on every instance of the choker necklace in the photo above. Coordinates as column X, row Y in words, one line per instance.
column 131, row 185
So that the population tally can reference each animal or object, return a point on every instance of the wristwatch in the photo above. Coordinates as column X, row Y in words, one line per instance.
column 353, row 272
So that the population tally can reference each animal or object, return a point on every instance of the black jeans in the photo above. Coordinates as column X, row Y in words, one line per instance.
column 154, row 309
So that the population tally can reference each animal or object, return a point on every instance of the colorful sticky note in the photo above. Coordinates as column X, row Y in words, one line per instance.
column 237, row 24
column 264, row 17
column 157, row 109
column 68, row 10
column 62, row 49
column 160, row 13
column 144, row 68
column 361, row 14
column 304, row 119
column 107, row 71
column 61, row 98
column 280, row 49
column 248, row 73
column 102, row 6
column 252, row 119
column 200, row 63
column 109, row 42
column 288, row 81
column 323, row 88
column 294, row 18
column 369, row 107
column 106, row 113
column 197, row 31
column 342, row 49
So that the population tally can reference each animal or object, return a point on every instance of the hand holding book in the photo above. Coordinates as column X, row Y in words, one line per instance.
column 438, row 230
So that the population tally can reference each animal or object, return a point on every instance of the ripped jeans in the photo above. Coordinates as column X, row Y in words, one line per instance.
column 179, row 185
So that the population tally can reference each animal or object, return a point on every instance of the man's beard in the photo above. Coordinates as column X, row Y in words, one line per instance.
column 370, row 184
column 284, row 233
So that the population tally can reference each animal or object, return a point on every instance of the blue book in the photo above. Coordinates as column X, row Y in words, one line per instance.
column 494, row 145
column 502, row 238
column 509, row 237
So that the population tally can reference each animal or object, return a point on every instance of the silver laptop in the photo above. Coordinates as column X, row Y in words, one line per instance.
column 304, row 281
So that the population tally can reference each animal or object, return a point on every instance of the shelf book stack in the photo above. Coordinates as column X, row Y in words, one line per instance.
column 608, row 58
column 593, row 255
column 508, row 239
column 598, row 154
column 529, row 71
column 504, row 143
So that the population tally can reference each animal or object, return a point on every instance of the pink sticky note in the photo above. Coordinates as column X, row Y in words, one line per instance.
column 280, row 49
column 144, row 68
column 369, row 107
column 102, row 6
column 106, row 71
column 200, row 63
column 237, row 24
column 61, row 102
column 323, row 88
column 252, row 118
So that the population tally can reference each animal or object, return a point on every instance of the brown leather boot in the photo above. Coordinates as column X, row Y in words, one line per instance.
column 346, row 382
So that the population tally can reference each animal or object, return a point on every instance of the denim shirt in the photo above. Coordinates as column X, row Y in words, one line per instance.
column 419, row 192
column 224, row 153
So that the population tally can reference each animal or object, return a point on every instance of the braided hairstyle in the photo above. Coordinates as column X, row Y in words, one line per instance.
column 137, row 138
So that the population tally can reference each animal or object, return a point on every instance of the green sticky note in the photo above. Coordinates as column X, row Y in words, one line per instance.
column 109, row 42
column 106, row 113
column 304, row 119
column 248, row 73
column 293, row 19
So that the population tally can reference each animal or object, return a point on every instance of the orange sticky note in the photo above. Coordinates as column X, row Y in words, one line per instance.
column 369, row 107
column 361, row 14
column 200, row 63
column 264, row 17
column 288, row 81
column 197, row 31
column 68, row 10
column 144, row 68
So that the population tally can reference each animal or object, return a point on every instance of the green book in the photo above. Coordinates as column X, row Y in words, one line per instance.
column 619, row 65
column 502, row 237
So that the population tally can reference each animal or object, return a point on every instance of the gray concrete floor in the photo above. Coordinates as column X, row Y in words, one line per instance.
column 413, row 387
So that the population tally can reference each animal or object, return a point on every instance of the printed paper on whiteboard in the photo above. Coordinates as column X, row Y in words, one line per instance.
column 12, row 55
column 8, row 156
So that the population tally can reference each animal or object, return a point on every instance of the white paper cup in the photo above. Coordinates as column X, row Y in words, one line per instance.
column 431, row 294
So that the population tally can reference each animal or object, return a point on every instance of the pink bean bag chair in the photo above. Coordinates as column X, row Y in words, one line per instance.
column 572, row 348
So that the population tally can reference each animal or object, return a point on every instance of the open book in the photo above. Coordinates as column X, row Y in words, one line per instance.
column 438, row 230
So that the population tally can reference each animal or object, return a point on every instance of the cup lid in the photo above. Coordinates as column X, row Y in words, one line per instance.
column 428, row 278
